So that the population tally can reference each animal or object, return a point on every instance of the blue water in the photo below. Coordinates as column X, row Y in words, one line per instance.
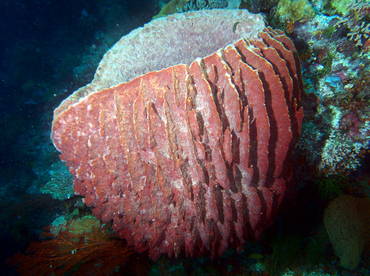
column 47, row 50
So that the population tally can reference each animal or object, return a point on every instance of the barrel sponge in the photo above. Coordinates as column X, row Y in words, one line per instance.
column 176, row 39
column 347, row 221
column 195, row 155
column 190, row 159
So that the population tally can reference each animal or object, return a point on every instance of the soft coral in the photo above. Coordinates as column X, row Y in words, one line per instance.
column 99, row 252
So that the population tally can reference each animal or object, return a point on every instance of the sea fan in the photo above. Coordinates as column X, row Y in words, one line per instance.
column 96, row 253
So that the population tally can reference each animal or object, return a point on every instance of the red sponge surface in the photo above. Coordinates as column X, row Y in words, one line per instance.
column 190, row 159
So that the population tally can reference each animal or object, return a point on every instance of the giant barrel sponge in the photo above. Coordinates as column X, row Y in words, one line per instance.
column 184, row 137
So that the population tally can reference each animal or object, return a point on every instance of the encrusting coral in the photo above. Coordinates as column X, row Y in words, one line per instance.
column 60, row 184
column 356, row 20
column 347, row 221
column 294, row 10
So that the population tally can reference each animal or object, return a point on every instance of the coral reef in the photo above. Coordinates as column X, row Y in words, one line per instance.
column 294, row 10
column 339, row 153
column 78, row 226
column 60, row 184
column 347, row 221
column 356, row 20
column 86, row 224
column 342, row 7
column 59, row 224
column 336, row 134
column 51, row 48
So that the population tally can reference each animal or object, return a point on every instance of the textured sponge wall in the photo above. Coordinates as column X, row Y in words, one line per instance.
column 191, row 158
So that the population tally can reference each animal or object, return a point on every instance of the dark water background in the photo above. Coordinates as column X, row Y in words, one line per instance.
column 47, row 50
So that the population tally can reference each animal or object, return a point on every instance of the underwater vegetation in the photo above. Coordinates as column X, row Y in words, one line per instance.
column 82, row 247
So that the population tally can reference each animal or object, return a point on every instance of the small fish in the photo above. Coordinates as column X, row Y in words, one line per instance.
column 234, row 26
